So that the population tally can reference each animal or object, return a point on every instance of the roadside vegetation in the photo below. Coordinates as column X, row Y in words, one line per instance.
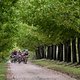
column 3, row 71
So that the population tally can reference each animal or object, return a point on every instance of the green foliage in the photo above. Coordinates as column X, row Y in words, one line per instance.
column 7, row 28
column 30, row 23
column 58, row 19
column 27, row 37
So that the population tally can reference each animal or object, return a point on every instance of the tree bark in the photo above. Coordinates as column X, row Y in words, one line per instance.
column 54, row 52
column 42, row 51
column 51, row 52
column 36, row 51
column 74, row 51
column 61, row 52
column 39, row 52
column 79, row 50
column 67, row 52
column 48, row 52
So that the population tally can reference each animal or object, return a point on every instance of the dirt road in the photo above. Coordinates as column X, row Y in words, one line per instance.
column 33, row 72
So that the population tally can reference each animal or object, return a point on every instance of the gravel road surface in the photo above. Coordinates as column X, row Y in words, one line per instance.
column 33, row 72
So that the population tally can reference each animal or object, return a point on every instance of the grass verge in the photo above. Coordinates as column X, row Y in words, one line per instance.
column 67, row 68
column 3, row 70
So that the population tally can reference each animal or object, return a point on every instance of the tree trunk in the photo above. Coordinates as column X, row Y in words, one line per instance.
column 42, row 51
column 79, row 50
column 71, row 50
column 61, row 52
column 54, row 52
column 51, row 52
column 38, row 55
column 65, row 59
column 36, row 51
column 48, row 52
column 39, row 52
column 67, row 52
column 74, row 51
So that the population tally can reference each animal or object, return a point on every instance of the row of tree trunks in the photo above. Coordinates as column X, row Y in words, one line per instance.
column 63, row 52
column 40, row 52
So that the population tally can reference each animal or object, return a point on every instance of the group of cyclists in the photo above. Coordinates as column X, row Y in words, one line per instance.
column 19, row 56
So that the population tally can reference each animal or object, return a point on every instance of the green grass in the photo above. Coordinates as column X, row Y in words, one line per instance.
column 3, row 70
column 66, row 68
